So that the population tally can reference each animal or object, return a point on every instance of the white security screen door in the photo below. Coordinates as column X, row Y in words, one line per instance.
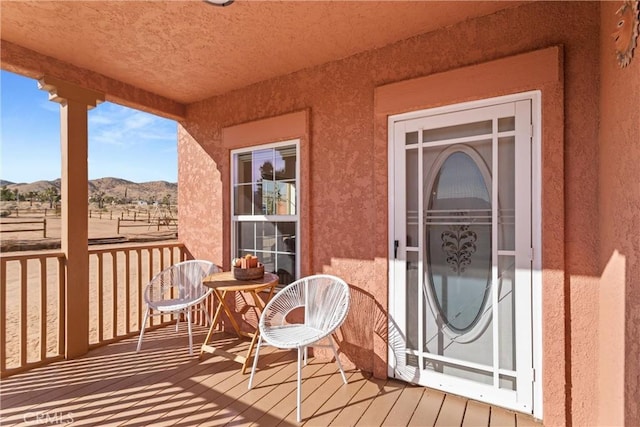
column 461, row 252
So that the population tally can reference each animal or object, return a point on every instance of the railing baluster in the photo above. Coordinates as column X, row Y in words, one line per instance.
column 150, row 251
column 62, row 291
column 139, row 286
column 3, row 316
column 127, row 291
column 23, row 312
column 114, row 294
column 43, row 308
column 100, row 297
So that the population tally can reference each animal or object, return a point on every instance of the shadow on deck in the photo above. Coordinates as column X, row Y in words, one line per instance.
column 163, row 386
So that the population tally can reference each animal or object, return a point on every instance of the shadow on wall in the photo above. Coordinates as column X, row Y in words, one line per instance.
column 366, row 319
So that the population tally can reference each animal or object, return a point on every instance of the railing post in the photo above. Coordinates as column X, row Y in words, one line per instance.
column 44, row 228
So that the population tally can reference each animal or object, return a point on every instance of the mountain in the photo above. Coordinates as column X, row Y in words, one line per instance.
column 109, row 187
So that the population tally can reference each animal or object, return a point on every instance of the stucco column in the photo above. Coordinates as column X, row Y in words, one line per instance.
column 74, row 102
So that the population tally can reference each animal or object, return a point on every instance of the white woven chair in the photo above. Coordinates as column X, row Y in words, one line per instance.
column 178, row 289
column 325, row 301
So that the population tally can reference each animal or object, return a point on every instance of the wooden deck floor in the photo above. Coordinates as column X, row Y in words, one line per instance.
column 163, row 386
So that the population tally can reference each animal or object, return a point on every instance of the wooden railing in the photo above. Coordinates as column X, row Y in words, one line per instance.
column 32, row 300
column 116, row 285
column 32, row 303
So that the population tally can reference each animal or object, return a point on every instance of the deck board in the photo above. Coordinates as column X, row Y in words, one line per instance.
column 383, row 403
column 164, row 386
column 451, row 411
column 502, row 418
column 428, row 408
column 342, row 394
column 403, row 410
column 477, row 414
column 354, row 410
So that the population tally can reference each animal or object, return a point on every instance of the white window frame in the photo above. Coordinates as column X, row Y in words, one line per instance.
column 266, row 218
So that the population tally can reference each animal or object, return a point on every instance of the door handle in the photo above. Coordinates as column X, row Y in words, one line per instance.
column 396, row 243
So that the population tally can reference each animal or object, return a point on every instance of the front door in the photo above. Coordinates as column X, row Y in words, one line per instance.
column 461, row 252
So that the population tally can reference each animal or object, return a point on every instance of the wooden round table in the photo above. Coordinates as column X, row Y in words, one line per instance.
column 221, row 284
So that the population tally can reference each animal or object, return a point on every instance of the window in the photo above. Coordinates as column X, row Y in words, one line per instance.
column 264, row 219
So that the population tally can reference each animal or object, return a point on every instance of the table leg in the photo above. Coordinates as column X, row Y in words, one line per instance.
column 213, row 323
column 251, row 346
column 259, row 304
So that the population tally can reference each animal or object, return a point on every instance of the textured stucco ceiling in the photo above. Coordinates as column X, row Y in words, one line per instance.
column 190, row 50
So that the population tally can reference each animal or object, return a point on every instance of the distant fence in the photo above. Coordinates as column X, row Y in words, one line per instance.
column 41, row 226
column 99, row 213
column 171, row 223
column 125, row 213
column 33, row 212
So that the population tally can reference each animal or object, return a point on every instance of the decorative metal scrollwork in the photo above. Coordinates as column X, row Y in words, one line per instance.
column 459, row 243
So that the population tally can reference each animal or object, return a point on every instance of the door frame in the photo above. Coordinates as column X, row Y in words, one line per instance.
column 536, row 223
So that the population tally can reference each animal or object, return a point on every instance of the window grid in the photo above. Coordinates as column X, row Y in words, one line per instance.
column 264, row 193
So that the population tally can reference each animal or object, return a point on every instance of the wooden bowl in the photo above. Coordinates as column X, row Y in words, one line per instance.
column 248, row 273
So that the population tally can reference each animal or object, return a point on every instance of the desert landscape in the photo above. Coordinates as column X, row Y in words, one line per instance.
column 35, row 226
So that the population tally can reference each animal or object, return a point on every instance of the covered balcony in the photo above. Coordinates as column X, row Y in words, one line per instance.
column 339, row 94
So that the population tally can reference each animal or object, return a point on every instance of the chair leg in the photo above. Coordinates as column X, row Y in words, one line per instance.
column 189, row 328
column 144, row 323
column 299, row 392
column 335, row 353
column 178, row 320
column 255, row 362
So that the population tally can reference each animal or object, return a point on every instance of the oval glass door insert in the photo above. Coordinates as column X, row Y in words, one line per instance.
column 458, row 239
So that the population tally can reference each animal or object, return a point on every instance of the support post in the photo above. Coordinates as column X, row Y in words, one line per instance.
column 74, row 102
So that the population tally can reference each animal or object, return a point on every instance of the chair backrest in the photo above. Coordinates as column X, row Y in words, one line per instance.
column 324, row 298
column 182, row 280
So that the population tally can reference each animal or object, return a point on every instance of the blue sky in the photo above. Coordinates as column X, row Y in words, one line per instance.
column 123, row 143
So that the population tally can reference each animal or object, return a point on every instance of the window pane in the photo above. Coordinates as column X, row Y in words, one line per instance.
column 265, row 237
column 506, row 124
column 506, row 194
column 411, row 138
column 286, row 268
column 263, row 165
column 245, row 238
column 284, row 198
column 458, row 131
column 269, row 198
column 412, row 197
column 286, row 233
column 242, row 197
column 243, row 168
column 285, row 163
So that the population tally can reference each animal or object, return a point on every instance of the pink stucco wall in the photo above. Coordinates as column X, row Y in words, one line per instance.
column 591, row 190
column 347, row 230
column 619, row 212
